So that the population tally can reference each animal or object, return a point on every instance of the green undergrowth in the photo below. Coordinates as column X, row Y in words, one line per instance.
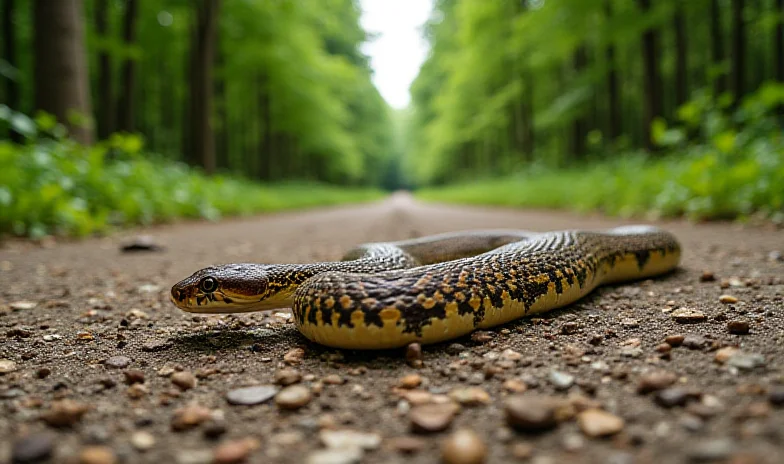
column 728, row 167
column 53, row 186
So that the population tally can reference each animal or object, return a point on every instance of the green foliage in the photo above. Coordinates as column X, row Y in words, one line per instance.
column 51, row 185
column 738, row 171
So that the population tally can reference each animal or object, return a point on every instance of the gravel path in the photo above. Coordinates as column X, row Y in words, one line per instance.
column 96, row 366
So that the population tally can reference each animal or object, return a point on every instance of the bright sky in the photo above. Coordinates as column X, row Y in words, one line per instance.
column 399, row 50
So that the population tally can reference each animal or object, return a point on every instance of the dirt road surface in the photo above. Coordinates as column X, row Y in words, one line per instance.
column 97, row 366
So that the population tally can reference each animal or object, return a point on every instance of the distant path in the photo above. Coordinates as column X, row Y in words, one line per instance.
column 92, row 302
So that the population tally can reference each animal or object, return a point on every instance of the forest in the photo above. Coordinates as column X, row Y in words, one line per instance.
column 119, row 112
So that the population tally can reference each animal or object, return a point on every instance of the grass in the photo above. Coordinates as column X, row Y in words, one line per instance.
column 57, row 187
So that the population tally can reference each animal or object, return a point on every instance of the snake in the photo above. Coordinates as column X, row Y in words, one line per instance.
column 431, row 289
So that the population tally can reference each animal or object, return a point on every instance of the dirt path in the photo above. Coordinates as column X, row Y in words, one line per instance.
column 96, row 362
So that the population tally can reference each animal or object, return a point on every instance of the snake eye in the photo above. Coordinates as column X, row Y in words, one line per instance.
column 208, row 284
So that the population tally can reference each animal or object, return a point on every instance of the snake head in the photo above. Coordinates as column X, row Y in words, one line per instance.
column 228, row 288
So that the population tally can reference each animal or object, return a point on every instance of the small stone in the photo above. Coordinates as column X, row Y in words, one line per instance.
column 410, row 381
column 711, row 451
column 470, row 396
column 561, row 380
column 531, row 413
column 214, row 429
column 65, row 413
column 52, row 337
column 141, row 243
column 655, row 381
column 293, row 397
column 336, row 456
column 707, row 276
column 570, row 328
column 728, row 299
column 407, row 444
column 515, row 386
column 463, row 446
column 137, row 391
column 194, row 456
column 43, row 372
column 724, row 354
column 481, row 336
column 154, row 346
column 349, row 439
column 455, row 348
column 674, row 340
column 597, row 423
column 97, row 455
column 249, row 396
column 746, row 361
column 235, row 451
column 522, row 451
column 133, row 376
column 694, row 342
column 189, row 417
column 7, row 366
column 142, row 440
column 663, row 348
column 671, row 397
column 776, row 396
column 333, row 379
column 22, row 305
column 118, row 362
column 414, row 357
column 287, row 377
column 688, row 316
column 429, row 418
column 184, row 380
column 294, row 356
column 36, row 447
column 738, row 327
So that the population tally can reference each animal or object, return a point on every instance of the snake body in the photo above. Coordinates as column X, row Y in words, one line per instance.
column 436, row 288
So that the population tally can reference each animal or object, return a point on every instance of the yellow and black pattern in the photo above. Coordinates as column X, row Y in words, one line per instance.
column 389, row 294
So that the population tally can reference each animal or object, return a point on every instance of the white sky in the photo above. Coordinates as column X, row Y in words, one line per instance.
column 399, row 50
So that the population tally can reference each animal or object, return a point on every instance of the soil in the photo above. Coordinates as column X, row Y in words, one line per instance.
column 96, row 365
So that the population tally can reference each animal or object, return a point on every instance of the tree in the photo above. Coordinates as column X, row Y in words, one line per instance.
column 778, row 43
column 61, row 79
column 613, row 89
column 651, row 78
column 681, row 50
column 717, row 47
column 738, row 51
column 9, row 52
column 105, row 105
column 127, row 103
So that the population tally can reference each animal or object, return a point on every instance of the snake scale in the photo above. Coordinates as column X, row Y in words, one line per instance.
column 434, row 288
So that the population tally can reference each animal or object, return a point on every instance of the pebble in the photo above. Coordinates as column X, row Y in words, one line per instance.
column 336, row 456
column 407, row 444
column 738, row 327
column 32, row 448
column 522, row 451
column 470, row 396
column 7, row 366
column 294, row 356
column 133, row 376
column 688, row 316
column 142, row 440
column 293, row 397
column 671, row 397
column 153, row 346
column 515, row 386
column 333, row 379
column 776, row 396
column 561, row 380
column 712, row 450
column 414, row 357
column 746, row 361
column 531, row 413
column 65, row 413
column 141, row 243
column 410, row 381
column 655, row 381
column 728, row 299
column 597, row 423
column 249, row 396
column 455, row 348
column 118, row 362
column 22, row 305
column 463, row 446
column 189, row 417
column 43, row 372
column 569, row 328
column 349, row 439
column 429, row 418
column 214, row 429
column 674, row 340
column 235, row 451
column 707, row 276
column 97, row 455
column 724, row 354
column 184, row 380
column 287, row 377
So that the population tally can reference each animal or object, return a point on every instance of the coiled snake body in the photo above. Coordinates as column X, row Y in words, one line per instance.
column 436, row 288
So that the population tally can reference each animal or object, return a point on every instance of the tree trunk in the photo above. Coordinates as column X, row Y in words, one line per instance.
column 105, row 107
column 579, row 125
column 127, row 103
column 60, row 66
column 681, row 50
column 221, row 113
column 202, row 137
column 266, row 143
column 613, row 90
column 738, row 50
column 778, row 43
column 651, row 78
column 9, row 52
column 717, row 46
